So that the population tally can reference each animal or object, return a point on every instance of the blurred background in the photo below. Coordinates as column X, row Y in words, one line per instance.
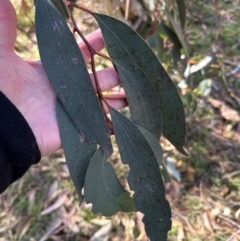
column 198, row 44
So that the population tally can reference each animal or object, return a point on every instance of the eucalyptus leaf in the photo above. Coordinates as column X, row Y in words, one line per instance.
column 140, row 91
column 157, row 149
column 77, row 151
column 125, row 45
column 103, row 189
column 182, row 12
column 178, row 32
column 155, row 41
column 60, row 7
column 144, row 177
column 67, row 73
column 176, row 51
column 170, row 33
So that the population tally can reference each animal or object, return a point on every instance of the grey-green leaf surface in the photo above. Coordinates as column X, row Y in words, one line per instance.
column 124, row 44
column 157, row 149
column 144, row 177
column 77, row 151
column 176, row 53
column 178, row 32
column 60, row 7
column 182, row 12
column 141, row 95
column 170, row 33
column 67, row 73
column 103, row 189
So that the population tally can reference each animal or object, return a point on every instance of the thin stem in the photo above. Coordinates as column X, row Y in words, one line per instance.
column 76, row 29
column 92, row 52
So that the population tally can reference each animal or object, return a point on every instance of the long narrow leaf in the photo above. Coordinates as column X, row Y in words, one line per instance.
column 182, row 12
column 124, row 44
column 144, row 177
column 103, row 189
column 77, row 151
column 145, row 111
column 178, row 32
column 67, row 73
column 157, row 149
column 176, row 53
column 60, row 7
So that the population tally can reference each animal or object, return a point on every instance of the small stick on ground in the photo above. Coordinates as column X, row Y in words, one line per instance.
column 185, row 219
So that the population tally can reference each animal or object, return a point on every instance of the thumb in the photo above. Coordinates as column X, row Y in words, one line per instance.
column 7, row 26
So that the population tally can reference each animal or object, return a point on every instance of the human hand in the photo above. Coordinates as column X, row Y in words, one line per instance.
column 26, row 85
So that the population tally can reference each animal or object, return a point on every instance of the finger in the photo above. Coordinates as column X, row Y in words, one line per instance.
column 116, row 101
column 95, row 39
column 8, row 24
column 116, row 104
column 108, row 79
column 115, row 96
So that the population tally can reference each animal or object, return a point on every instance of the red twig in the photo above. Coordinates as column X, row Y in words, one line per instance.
column 92, row 52
column 69, row 5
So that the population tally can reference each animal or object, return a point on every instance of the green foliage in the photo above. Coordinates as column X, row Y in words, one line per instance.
column 155, row 107
column 178, row 31
column 66, row 70
column 144, row 177
column 176, row 50
column 169, row 24
column 211, row 140
column 182, row 12
column 157, row 149
column 103, row 189
column 74, row 145
column 155, row 92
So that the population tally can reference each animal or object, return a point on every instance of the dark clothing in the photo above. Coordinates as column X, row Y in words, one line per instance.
column 18, row 145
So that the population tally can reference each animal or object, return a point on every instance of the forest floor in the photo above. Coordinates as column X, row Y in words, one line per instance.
column 204, row 193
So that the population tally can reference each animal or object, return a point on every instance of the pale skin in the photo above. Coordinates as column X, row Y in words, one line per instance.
column 26, row 85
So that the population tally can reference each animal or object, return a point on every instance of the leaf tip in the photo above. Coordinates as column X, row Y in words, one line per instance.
column 180, row 149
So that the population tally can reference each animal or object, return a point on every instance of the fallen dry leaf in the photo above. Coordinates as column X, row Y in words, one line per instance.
column 51, row 228
column 23, row 227
column 227, row 112
column 55, row 206
column 206, row 222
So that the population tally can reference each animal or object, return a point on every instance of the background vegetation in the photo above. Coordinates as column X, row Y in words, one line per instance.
column 205, row 189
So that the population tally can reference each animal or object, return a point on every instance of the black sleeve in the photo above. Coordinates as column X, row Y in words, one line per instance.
column 18, row 145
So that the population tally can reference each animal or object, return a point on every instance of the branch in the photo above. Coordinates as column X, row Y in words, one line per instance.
column 92, row 52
